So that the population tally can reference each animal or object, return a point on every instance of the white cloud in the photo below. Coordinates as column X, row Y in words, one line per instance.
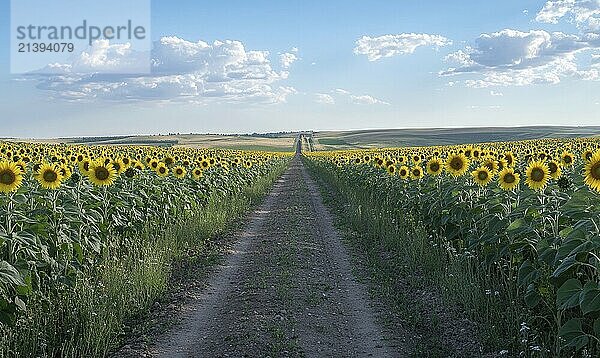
column 286, row 59
column 379, row 47
column 102, row 57
column 366, row 99
column 484, row 107
column 496, row 94
column 324, row 98
column 584, row 13
column 516, row 58
column 181, row 70
column 348, row 97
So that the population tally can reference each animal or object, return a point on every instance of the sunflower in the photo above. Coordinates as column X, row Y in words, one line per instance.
column 416, row 172
column 49, row 176
column 205, row 164
column 84, row 165
column 508, row 179
column 416, row 159
column 538, row 174
column 130, row 172
column 491, row 164
column 435, row 167
column 179, row 172
column 592, row 172
column 10, row 177
column 197, row 173
column 391, row 169
column 162, row 170
column 554, row 168
column 119, row 166
column 102, row 174
column 169, row 160
column 458, row 164
column 404, row 172
column 567, row 159
column 587, row 154
column 153, row 163
column 138, row 165
column 65, row 171
column 482, row 176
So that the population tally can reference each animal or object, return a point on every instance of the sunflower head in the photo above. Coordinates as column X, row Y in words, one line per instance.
column 482, row 175
column 102, row 174
column 538, row 175
column 592, row 172
column 554, row 168
column 508, row 179
column 458, row 164
column 567, row 159
column 404, row 172
column 197, row 173
column 416, row 172
column 391, row 169
column 435, row 167
column 49, row 176
column 162, row 170
column 119, row 166
column 130, row 172
column 10, row 177
column 179, row 172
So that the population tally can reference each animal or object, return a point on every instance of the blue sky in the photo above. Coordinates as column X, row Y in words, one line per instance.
column 295, row 65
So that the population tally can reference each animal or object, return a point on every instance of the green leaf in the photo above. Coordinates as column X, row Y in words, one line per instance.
column 567, row 295
column 527, row 274
column 19, row 303
column 573, row 335
column 590, row 299
column 532, row 296
column 515, row 225
column 9, row 274
column 565, row 266
column 597, row 328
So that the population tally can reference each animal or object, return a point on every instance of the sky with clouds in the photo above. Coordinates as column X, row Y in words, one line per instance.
column 263, row 66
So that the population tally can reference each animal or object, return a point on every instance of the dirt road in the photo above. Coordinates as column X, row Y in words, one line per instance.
column 287, row 289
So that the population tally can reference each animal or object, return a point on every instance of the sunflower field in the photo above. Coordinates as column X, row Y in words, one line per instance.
column 88, row 234
column 509, row 231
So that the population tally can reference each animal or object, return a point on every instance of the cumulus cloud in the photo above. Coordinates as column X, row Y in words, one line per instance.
column 180, row 70
column 496, row 94
column 584, row 13
column 324, row 98
column 379, row 47
column 341, row 91
column 286, row 59
column 366, row 99
column 345, row 96
column 517, row 58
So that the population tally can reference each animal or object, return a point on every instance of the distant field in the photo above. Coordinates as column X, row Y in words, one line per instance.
column 333, row 140
column 338, row 140
column 274, row 143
